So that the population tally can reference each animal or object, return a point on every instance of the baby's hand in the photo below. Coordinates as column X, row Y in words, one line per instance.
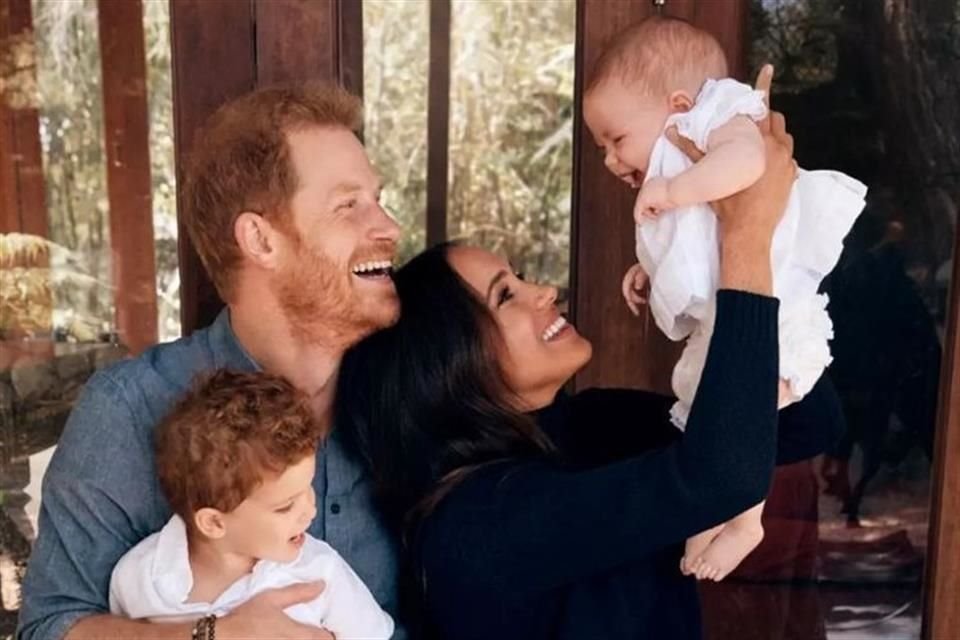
column 634, row 282
column 785, row 395
column 653, row 198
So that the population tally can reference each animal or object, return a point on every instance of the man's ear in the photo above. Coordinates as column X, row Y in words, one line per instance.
column 210, row 522
column 680, row 101
column 257, row 238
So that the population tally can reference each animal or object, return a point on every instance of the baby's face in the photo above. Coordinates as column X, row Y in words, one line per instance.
column 625, row 126
column 271, row 523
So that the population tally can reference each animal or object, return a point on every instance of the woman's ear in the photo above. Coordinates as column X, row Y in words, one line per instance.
column 257, row 238
column 680, row 101
column 210, row 522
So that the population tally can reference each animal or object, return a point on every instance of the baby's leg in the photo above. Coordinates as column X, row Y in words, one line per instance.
column 696, row 545
column 738, row 538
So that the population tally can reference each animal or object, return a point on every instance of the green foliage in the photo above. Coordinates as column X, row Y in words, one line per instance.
column 511, row 116
column 71, row 132
column 395, row 35
column 71, row 129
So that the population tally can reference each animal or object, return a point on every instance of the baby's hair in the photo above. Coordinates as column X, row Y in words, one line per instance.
column 659, row 55
column 228, row 433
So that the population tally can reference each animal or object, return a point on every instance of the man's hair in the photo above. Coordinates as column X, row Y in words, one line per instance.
column 228, row 434
column 659, row 55
column 241, row 162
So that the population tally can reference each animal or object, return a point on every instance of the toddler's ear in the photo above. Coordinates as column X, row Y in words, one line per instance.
column 210, row 522
column 680, row 102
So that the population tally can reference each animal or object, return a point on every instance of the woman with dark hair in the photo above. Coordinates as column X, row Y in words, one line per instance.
column 530, row 514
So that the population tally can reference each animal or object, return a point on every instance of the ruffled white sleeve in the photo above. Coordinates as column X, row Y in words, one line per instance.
column 718, row 102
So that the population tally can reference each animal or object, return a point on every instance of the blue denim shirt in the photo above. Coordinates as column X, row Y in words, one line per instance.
column 101, row 495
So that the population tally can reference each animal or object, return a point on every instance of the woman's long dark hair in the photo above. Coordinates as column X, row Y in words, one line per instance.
column 425, row 402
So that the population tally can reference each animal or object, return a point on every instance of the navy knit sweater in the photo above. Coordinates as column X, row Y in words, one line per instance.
column 591, row 548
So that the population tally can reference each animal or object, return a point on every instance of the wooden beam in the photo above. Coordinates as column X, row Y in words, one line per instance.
column 214, row 60
column 438, row 121
column 126, row 133
column 296, row 41
column 350, row 43
column 9, row 203
column 628, row 351
column 310, row 41
column 22, row 195
column 726, row 20
column 942, row 581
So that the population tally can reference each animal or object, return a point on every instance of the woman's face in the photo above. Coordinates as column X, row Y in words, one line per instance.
column 541, row 350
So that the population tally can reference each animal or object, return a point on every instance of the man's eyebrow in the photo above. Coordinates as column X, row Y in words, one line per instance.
column 346, row 187
column 352, row 187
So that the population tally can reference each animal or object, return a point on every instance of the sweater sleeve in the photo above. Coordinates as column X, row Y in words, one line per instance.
column 600, row 426
column 811, row 426
column 526, row 527
column 608, row 425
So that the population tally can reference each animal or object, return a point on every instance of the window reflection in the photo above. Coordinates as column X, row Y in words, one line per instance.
column 847, row 534
column 57, row 323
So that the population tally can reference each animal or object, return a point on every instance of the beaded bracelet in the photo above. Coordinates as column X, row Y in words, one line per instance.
column 205, row 629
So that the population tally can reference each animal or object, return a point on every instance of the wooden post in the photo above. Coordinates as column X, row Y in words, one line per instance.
column 22, row 196
column 225, row 48
column 438, row 121
column 628, row 351
column 126, row 132
column 942, row 581
column 213, row 61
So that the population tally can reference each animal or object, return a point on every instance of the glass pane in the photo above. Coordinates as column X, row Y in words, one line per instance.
column 57, row 316
column 865, row 87
column 395, row 64
column 74, row 161
column 156, row 27
column 511, row 117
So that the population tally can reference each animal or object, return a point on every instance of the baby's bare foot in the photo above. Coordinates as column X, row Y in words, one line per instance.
column 696, row 546
column 728, row 550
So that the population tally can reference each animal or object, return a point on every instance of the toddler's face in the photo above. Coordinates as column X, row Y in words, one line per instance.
column 271, row 523
column 625, row 126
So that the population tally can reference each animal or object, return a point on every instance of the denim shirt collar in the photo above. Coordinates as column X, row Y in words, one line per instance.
column 226, row 349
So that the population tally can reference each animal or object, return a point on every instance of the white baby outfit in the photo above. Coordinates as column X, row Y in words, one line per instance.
column 679, row 251
column 154, row 579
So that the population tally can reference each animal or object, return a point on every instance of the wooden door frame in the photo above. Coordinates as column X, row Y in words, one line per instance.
column 941, row 615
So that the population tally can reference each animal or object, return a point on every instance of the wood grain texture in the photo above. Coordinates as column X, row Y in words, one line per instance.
column 22, row 194
column 126, row 133
column 438, row 121
column 296, row 41
column 628, row 351
column 942, row 581
column 214, row 60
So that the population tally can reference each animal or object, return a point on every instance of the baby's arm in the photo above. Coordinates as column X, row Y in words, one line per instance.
column 734, row 161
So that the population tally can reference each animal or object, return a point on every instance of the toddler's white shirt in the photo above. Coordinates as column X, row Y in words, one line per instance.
column 154, row 579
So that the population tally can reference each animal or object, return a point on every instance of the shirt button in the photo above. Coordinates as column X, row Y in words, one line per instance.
column 335, row 508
